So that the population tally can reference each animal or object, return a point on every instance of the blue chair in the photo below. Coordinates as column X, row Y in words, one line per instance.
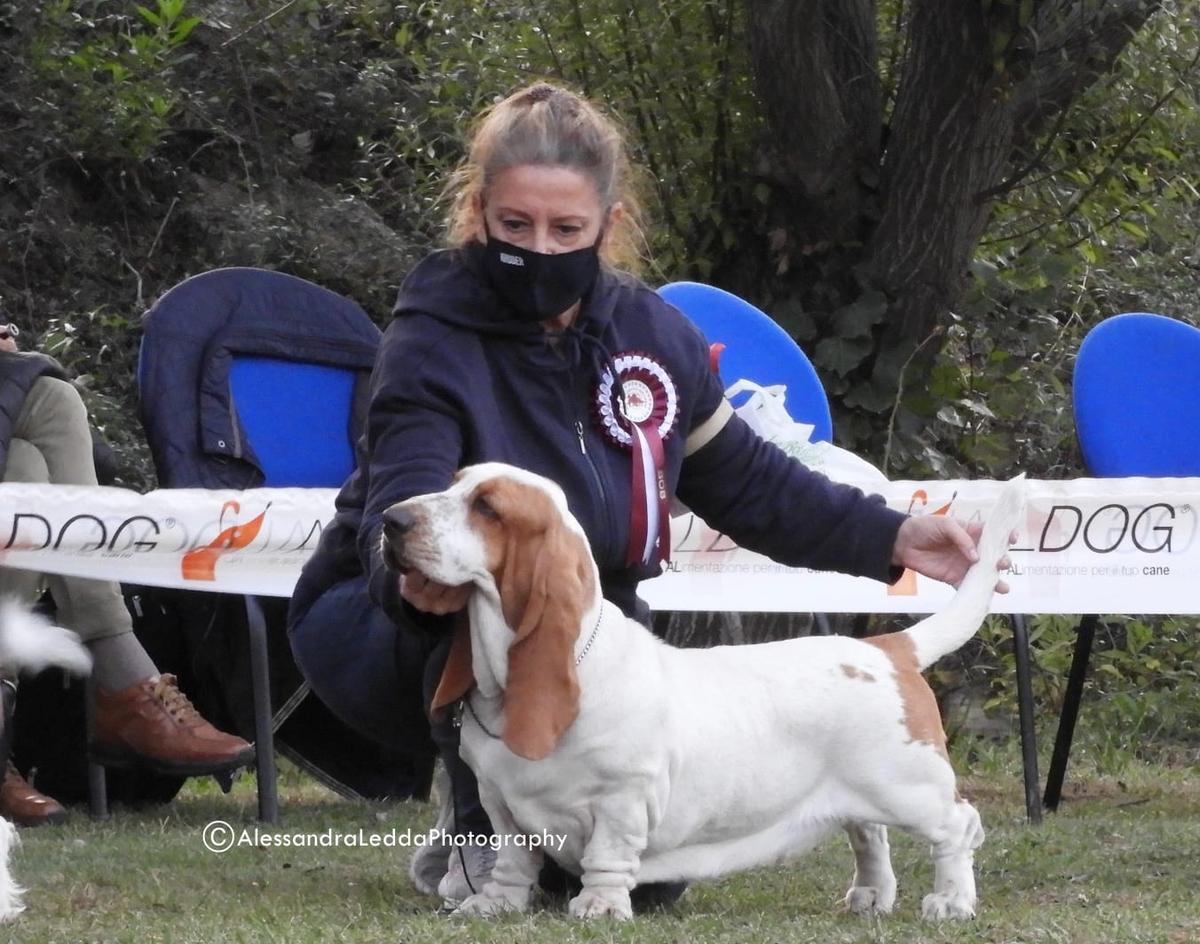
column 1137, row 412
column 1137, row 397
column 756, row 348
column 249, row 378
column 302, row 448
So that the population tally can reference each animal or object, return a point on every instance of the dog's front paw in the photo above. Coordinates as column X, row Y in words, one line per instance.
column 865, row 900
column 494, row 900
column 605, row 902
column 947, row 906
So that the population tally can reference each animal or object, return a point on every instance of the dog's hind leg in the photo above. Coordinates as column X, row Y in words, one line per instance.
column 873, row 890
column 954, row 844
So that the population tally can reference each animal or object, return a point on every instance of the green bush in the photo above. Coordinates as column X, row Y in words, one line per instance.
column 1142, row 696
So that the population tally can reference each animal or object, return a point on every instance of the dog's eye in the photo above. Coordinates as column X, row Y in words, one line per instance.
column 481, row 506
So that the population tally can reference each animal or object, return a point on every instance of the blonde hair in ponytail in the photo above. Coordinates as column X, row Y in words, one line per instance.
column 548, row 125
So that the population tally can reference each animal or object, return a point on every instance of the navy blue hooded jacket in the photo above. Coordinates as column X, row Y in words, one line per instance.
column 458, row 380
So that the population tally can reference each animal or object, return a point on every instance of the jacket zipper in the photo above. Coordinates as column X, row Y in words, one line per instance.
column 598, row 481
column 607, row 505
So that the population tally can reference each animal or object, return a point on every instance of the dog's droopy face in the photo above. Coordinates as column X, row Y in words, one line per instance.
column 471, row 532
column 508, row 532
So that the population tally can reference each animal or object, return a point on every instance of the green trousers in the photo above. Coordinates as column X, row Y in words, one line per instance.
column 52, row 444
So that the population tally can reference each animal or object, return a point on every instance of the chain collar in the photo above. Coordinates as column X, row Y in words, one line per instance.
column 469, row 705
column 592, row 638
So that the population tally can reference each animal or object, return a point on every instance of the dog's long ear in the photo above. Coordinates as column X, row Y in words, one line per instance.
column 457, row 675
column 544, row 589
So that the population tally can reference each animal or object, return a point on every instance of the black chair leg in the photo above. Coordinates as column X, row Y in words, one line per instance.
column 97, row 778
column 264, row 735
column 1070, row 711
column 1025, row 710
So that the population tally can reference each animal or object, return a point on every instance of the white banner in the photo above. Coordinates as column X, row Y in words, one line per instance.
column 1086, row 546
column 254, row 541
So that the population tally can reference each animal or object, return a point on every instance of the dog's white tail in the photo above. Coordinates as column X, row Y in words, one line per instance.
column 31, row 642
column 943, row 632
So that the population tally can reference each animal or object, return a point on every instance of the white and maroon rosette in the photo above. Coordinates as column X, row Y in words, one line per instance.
column 639, row 415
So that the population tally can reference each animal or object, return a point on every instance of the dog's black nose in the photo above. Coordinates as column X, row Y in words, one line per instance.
column 398, row 521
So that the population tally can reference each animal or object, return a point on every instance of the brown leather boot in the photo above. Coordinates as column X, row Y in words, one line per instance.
column 24, row 805
column 152, row 724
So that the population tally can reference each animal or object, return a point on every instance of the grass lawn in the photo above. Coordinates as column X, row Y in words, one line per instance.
column 1117, row 864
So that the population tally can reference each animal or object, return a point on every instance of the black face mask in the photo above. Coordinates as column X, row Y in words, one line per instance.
column 540, row 285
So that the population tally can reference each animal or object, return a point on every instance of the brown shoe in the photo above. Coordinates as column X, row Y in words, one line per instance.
column 152, row 724
column 24, row 805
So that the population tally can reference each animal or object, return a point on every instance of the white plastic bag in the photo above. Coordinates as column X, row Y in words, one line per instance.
column 766, row 414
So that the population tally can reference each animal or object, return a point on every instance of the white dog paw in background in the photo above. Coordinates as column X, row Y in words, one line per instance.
column 10, row 892
column 28, row 643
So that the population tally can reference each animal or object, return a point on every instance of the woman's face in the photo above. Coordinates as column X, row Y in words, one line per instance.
column 547, row 209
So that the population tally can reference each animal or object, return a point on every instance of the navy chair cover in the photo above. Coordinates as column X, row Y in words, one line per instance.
column 251, row 378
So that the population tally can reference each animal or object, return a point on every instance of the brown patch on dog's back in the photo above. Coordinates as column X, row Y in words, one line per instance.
column 921, row 716
column 854, row 673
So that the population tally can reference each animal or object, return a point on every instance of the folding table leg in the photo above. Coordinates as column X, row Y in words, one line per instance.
column 264, row 736
column 1029, row 756
column 1070, row 711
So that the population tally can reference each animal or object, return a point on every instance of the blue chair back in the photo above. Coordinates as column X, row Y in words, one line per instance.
column 248, row 378
column 756, row 348
column 297, row 417
column 1137, row 397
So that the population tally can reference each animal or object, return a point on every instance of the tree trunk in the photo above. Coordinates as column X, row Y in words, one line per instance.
column 873, row 231
column 815, row 72
column 951, row 137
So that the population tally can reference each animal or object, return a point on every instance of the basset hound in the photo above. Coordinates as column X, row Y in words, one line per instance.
column 659, row 763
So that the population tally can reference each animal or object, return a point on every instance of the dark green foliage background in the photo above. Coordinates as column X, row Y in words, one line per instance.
column 142, row 144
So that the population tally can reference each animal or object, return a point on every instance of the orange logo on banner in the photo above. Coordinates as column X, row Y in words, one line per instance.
column 201, row 564
column 906, row 586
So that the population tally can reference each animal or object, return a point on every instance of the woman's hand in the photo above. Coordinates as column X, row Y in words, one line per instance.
column 941, row 548
column 429, row 596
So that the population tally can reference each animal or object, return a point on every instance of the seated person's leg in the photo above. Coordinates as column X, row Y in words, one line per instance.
column 140, row 715
column 25, row 464
column 19, row 801
column 54, row 421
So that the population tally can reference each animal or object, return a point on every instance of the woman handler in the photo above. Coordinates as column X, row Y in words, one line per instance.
column 530, row 343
